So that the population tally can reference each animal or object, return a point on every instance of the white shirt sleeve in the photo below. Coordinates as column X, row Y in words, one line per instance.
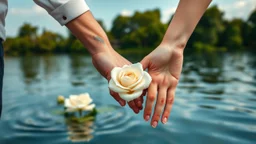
column 63, row 10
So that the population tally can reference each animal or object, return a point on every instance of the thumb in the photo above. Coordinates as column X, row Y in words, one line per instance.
column 145, row 62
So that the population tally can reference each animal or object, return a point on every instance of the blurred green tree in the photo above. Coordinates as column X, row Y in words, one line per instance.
column 121, row 26
column 143, row 29
column 208, row 30
column 252, row 35
column 47, row 42
column 27, row 30
column 231, row 38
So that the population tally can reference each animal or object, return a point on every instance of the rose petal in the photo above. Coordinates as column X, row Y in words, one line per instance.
column 115, row 88
column 89, row 107
column 145, row 82
column 136, row 68
column 73, row 99
column 127, row 81
column 124, row 66
column 136, row 83
column 130, row 96
column 71, row 110
column 114, row 73
column 80, row 106
column 114, row 76
column 85, row 98
column 67, row 103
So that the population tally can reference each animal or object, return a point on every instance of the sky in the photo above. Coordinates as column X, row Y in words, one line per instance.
column 26, row 11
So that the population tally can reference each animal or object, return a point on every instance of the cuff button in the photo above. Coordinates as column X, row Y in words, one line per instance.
column 64, row 18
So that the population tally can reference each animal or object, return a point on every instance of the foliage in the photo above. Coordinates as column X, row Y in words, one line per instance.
column 144, row 30
column 252, row 33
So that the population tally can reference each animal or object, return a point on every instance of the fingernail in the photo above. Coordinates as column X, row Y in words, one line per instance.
column 147, row 117
column 154, row 124
column 165, row 120
column 121, row 103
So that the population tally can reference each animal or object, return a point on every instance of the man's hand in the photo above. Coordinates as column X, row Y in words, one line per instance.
column 104, row 57
column 164, row 65
column 104, row 62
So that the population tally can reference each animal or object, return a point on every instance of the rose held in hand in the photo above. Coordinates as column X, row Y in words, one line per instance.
column 129, row 81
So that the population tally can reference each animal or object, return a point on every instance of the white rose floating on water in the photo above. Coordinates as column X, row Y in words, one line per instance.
column 79, row 103
column 129, row 81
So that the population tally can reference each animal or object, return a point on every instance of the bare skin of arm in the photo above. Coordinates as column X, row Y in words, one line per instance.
column 104, row 57
column 164, row 64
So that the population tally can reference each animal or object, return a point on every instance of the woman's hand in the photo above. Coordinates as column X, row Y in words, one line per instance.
column 164, row 65
column 104, row 62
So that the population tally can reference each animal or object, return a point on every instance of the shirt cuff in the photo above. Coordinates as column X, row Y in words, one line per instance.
column 69, row 11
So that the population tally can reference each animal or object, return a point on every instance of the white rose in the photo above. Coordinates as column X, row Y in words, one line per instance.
column 129, row 81
column 79, row 102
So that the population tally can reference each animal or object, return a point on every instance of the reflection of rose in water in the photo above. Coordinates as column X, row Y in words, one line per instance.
column 80, row 129
column 79, row 132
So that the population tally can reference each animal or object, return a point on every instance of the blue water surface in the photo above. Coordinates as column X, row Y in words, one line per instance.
column 215, row 103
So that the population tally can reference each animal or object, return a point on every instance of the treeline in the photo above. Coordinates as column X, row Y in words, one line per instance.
column 145, row 30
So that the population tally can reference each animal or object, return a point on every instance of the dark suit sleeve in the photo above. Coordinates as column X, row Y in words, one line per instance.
column 1, row 73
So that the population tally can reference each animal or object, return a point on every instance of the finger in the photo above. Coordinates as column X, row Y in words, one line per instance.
column 133, row 107
column 151, row 96
column 117, row 98
column 138, row 103
column 161, row 99
column 144, row 92
column 168, row 106
column 145, row 62
column 141, row 99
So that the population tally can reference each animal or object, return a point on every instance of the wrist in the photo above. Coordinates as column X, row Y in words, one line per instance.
column 178, row 41
column 105, row 50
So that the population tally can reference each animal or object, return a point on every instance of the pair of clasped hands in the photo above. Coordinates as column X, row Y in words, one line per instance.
column 164, row 66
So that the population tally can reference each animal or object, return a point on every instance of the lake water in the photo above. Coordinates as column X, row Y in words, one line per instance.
column 215, row 103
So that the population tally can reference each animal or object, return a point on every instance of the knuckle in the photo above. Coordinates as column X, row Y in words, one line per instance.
column 167, row 112
column 154, row 81
column 151, row 97
column 175, row 83
column 162, row 101
column 159, row 80
column 170, row 100
column 165, row 82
